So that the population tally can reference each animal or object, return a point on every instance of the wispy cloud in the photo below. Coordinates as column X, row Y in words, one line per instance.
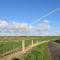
column 51, row 12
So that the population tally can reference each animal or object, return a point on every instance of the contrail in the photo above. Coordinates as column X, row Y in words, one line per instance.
column 45, row 15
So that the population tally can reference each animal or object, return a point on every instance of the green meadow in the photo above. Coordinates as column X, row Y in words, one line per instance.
column 38, row 53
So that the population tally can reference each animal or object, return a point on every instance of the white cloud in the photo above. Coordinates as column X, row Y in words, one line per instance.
column 14, row 26
column 17, row 28
column 44, row 26
column 3, row 24
column 23, row 27
column 46, row 21
column 52, row 33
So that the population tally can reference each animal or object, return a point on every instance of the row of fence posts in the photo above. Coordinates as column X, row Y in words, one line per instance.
column 23, row 44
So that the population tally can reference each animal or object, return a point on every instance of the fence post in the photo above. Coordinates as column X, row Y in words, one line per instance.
column 32, row 42
column 23, row 45
column 37, row 41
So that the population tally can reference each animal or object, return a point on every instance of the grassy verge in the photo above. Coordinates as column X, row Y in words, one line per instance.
column 10, row 45
column 38, row 53
column 11, row 42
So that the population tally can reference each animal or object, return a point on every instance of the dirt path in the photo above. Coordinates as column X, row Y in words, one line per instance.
column 20, row 53
column 54, row 50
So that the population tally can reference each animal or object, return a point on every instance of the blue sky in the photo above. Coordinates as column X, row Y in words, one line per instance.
column 27, row 11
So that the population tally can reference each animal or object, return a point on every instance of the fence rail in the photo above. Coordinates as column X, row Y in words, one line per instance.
column 23, row 47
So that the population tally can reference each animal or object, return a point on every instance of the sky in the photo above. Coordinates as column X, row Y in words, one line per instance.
column 30, row 17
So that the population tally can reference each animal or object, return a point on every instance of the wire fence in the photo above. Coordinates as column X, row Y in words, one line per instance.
column 9, row 47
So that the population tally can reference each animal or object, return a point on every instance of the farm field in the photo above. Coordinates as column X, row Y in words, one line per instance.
column 13, row 42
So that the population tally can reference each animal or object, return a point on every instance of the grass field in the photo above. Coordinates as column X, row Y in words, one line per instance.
column 41, row 52
column 13, row 42
column 38, row 53
column 9, row 45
